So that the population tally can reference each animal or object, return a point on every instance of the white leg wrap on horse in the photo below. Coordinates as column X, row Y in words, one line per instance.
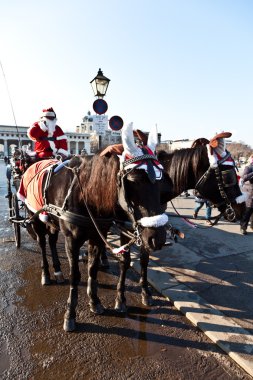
column 154, row 221
column 242, row 198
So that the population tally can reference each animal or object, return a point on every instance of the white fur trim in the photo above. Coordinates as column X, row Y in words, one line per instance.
column 43, row 126
column 43, row 217
column 119, row 250
column 48, row 113
column 21, row 197
column 127, row 137
column 154, row 221
column 62, row 137
column 152, row 139
column 212, row 158
column 28, row 133
column 52, row 146
column 242, row 198
column 31, row 153
column 63, row 151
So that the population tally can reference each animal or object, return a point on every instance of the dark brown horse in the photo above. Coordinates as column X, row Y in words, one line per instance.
column 93, row 187
column 190, row 168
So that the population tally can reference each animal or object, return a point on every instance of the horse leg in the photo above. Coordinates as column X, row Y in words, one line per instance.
column 52, row 239
column 104, row 263
column 45, row 275
column 94, row 252
column 124, row 263
column 39, row 230
column 146, row 295
column 72, row 251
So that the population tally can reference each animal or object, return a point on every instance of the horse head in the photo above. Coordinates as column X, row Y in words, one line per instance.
column 138, row 186
column 219, row 183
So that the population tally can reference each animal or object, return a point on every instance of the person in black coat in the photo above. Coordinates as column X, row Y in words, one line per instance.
column 247, row 180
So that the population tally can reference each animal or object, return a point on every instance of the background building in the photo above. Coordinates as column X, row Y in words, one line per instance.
column 10, row 136
column 101, row 135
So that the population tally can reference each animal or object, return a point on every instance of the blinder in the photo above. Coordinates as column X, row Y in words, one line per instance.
column 229, row 177
column 122, row 196
column 121, row 183
column 225, row 179
column 200, row 185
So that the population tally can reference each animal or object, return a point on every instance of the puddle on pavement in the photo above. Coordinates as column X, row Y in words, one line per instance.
column 142, row 327
column 34, row 295
column 143, row 342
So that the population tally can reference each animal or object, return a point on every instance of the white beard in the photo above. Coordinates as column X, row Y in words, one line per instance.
column 51, row 125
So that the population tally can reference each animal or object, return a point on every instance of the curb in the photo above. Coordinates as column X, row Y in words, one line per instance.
column 223, row 331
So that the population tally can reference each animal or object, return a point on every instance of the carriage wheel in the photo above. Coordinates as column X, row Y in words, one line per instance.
column 9, row 196
column 15, row 215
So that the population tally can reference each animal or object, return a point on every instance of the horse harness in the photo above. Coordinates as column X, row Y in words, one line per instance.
column 80, row 220
column 225, row 178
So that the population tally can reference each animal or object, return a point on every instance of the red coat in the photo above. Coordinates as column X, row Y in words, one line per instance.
column 46, row 144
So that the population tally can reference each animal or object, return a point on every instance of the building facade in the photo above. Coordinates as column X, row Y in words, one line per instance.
column 101, row 135
column 17, row 136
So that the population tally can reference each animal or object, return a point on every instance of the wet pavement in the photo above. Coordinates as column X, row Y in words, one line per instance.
column 155, row 342
column 208, row 276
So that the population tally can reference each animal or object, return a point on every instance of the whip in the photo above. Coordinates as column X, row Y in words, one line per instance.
column 13, row 113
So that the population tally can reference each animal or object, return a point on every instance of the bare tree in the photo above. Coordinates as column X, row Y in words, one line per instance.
column 239, row 149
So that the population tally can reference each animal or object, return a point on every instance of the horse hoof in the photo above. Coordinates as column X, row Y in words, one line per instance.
column 147, row 300
column 120, row 307
column 45, row 279
column 59, row 277
column 69, row 325
column 97, row 309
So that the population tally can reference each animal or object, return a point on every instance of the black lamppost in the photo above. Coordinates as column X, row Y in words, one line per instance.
column 100, row 84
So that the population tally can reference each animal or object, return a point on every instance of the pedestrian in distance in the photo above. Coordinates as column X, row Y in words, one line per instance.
column 50, row 140
column 199, row 203
column 247, row 186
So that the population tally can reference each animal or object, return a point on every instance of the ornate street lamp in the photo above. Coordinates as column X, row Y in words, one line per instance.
column 100, row 84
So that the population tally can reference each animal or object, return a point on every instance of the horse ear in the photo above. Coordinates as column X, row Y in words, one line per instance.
column 152, row 139
column 141, row 136
column 128, row 140
column 200, row 142
column 112, row 149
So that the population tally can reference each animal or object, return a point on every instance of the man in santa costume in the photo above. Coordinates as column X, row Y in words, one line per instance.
column 50, row 140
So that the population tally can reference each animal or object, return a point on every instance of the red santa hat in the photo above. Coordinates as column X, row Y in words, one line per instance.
column 49, row 113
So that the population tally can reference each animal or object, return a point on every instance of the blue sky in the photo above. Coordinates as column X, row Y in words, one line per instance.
column 185, row 65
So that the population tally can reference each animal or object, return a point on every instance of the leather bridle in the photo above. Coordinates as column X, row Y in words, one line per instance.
column 229, row 211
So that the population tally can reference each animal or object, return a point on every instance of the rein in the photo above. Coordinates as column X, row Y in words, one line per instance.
column 229, row 209
column 135, row 236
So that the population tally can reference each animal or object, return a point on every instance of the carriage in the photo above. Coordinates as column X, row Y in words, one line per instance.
column 16, row 167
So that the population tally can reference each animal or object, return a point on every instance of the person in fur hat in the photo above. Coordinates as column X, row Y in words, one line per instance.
column 49, row 138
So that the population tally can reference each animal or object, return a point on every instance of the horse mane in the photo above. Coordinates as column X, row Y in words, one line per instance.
column 184, row 165
column 98, row 176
